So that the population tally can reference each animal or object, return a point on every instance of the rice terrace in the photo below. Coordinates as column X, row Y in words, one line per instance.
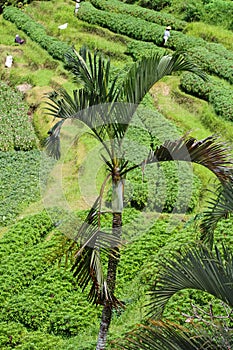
column 116, row 182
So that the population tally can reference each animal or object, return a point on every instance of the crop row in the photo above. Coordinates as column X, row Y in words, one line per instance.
column 140, row 29
column 212, row 57
column 161, row 18
column 183, row 41
column 36, row 32
column 218, row 94
column 16, row 130
column 157, row 188
column 20, row 179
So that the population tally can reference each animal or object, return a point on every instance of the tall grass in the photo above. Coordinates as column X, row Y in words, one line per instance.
column 211, row 33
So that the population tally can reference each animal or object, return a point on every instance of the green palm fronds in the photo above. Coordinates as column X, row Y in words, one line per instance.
column 199, row 269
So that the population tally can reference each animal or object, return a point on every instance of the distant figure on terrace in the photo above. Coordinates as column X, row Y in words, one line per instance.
column 18, row 40
column 166, row 35
column 77, row 5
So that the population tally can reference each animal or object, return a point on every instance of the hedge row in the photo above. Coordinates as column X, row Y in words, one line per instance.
column 16, row 130
column 161, row 18
column 218, row 94
column 146, row 31
column 158, row 188
column 36, row 32
column 138, row 49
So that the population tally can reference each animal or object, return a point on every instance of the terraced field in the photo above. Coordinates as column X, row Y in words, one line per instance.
column 42, row 306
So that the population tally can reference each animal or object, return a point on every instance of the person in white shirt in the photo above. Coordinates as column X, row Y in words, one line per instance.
column 77, row 5
column 166, row 35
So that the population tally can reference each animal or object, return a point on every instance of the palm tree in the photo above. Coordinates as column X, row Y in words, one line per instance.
column 199, row 269
column 117, row 99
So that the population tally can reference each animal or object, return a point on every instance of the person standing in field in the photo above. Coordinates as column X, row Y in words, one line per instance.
column 166, row 35
column 77, row 5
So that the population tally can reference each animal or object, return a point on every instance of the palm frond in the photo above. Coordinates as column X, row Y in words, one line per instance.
column 209, row 152
column 198, row 269
column 145, row 73
column 94, row 73
column 218, row 208
column 52, row 143
column 159, row 335
column 87, row 267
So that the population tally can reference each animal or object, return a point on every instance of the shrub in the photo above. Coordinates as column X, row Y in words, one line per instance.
column 35, row 293
column 17, row 132
column 220, row 13
column 157, row 5
column 218, row 94
column 188, row 10
column 20, row 182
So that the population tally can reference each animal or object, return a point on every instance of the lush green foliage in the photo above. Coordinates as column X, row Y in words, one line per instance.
column 35, row 292
column 36, row 32
column 21, row 173
column 17, row 132
column 217, row 12
column 43, row 308
column 13, row 3
column 122, row 23
column 136, row 11
column 213, row 57
column 220, row 95
column 43, row 301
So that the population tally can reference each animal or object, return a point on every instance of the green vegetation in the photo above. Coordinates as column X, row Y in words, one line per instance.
column 21, row 180
column 139, row 12
column 17, row 132
column 42, row 306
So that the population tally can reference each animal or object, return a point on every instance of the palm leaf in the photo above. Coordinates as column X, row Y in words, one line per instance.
column 94, row 73
column 220, row 207
column 145, row 73
column 198, row 269
column 208, row 152
column 52, row 143
column 100, row 91
column 159, row 335
column 87, row 267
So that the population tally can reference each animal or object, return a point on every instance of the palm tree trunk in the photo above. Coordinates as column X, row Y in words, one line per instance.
column 114, row 256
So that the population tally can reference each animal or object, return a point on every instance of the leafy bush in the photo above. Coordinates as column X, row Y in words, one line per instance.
column 19, row 182
column 121, row 23
column 212, row 62
column 165, row 187
column 220, row 13
column 16, row 3
column 138, row 49
column 188, row 10
column 17, row 132
column 37, row 295
column 154, row 4
column 218, row 94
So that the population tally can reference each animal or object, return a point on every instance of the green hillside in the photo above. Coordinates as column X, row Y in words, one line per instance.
column 44, row 201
